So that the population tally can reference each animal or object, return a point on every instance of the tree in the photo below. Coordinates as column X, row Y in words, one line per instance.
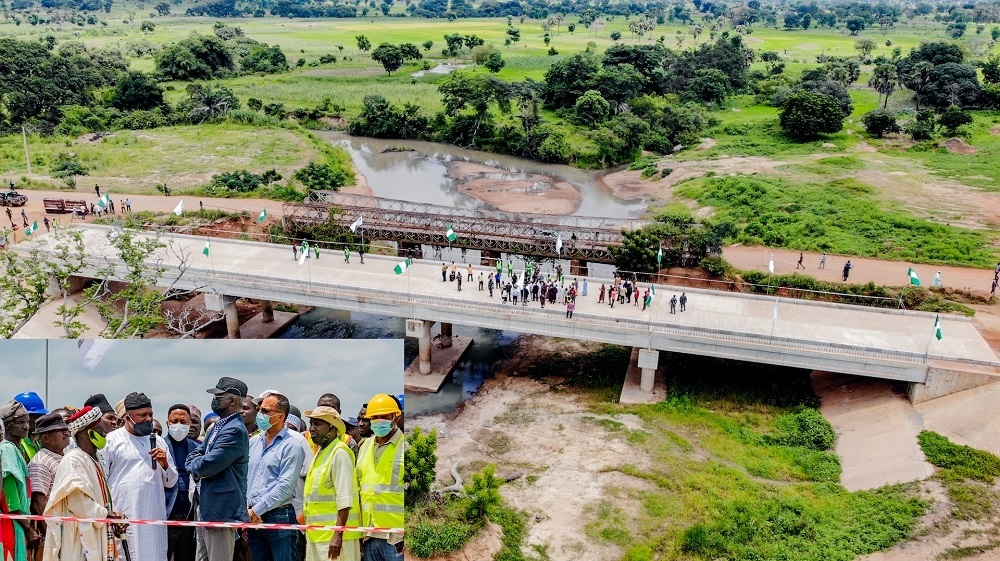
column 954, row 117
column 484, row 494
column 884, row 80
column 513, row 34
column 428, row 44
column 265, row 59
column 568, row 79
column 995, row 34
column 147, row 27
column 163, row 9
column 805, row 115
column 991, row 69
column 952, row 84
column 208, row 103
column 591, row 109
column 321, row 177
column 420, row 463
column 956, row 29
column 389, row 56
column 410, row 51
column 880, row 122
column 855, row 24
column 709, row 85
column 494, row 62
column 616, row 36
column 865, row 47
column 136, row 90
column 923, row 127
column 363, row 43
column 684, row 241
column 195, row 58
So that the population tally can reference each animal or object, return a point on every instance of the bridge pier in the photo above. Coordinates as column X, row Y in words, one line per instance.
column 645, row 379
column 445, row 335
column 232, row 318
column 429, row 372
column 266, row 311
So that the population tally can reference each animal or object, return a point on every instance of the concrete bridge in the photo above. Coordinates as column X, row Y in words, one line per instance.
column 890, row 344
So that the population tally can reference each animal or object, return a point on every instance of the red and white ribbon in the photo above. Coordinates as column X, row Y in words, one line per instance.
column 193, row 524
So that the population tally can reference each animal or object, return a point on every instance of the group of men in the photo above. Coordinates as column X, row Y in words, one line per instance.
column 256, row 462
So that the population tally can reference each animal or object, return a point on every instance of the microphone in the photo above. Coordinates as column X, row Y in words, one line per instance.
column 152, row 444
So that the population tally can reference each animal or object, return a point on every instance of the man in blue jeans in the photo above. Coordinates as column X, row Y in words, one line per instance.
column 275, row 464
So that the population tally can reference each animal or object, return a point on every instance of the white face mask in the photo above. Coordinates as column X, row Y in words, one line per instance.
column 178, row 431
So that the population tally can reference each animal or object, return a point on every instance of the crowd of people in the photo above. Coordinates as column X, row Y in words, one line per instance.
column 256, row 460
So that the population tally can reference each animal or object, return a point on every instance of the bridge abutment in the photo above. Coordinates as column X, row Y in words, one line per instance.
column 941, row 382
column 645, row 379
column 445, row 335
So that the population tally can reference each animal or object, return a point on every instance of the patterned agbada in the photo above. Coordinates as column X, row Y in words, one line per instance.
column 79, row 490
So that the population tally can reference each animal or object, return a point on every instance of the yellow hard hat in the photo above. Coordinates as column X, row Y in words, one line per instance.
column 382, row 404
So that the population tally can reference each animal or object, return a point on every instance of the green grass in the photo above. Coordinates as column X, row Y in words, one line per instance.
column 964, row 461
column 841, row 216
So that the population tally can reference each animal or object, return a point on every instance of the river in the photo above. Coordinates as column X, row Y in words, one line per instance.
column 421, row 175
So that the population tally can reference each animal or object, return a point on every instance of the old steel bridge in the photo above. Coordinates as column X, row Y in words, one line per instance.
column 584, row 239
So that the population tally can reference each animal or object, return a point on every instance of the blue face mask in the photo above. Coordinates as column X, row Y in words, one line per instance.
column 263, row 422
column 381, row 427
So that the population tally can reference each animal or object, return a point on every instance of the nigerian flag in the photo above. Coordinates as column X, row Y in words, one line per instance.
column 913, row 277
column 103, row 201
column 652, row 294
column 402, row 266
column 31, row 229
column 937, row 327
column 450, row 234
column 659, row 255
column 207, row 249
column 262, row 215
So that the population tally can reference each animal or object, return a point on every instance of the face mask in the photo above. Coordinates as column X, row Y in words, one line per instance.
column 97, row 439
column 178, row 431
column 381, row 427
column 217, row 407
column 324, row 439
column 263, row 422
column 142, row 429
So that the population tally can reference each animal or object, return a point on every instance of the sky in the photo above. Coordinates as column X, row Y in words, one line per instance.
column 179, row 371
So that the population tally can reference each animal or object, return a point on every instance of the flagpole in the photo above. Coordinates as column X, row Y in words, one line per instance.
column 47, row 371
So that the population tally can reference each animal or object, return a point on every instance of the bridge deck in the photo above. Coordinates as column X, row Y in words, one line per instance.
column 851, row 339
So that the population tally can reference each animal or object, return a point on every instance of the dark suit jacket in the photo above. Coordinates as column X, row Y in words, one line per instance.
column 221, row 461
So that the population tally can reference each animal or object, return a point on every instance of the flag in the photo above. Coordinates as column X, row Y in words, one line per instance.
column 770, row 265
column 206, row 250
column 31, row 229
column 357, row 224
column 652, row 294
column 774, row 316
column 402, row 266
column 937, row 327
column 179, row 209
column 913, row 277
column 659, row 255
column 559, row 244
column 305, row 254
column 450, row 234
column 262, row 215
column 92, row 351
column 103, row 201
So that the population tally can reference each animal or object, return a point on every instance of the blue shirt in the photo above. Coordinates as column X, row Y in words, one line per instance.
column 274, row 471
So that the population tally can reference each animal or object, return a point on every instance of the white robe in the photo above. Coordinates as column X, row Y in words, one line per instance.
column 138, row 491
column 76, row 491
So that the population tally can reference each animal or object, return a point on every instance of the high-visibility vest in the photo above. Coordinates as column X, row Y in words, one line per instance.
column 381, row 485
column 320, row 506
column 29, row 448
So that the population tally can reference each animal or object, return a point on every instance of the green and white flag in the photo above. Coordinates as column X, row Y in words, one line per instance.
column 103, row 201
column 937, row 327
column 262, row 215
column 913, row 277
column 652, row 294
column 450, row 234
column 31, row 229
column 402, row 266
column 207, row 249
column 179, row 209
column 659, row 255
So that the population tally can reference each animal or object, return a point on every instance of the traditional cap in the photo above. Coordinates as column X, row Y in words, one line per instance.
column 194, row 410
column 120, row 408
column 137, row 400
column 50, row 422
column 328, row 414
column 11, row 410
column 229, row 385
column 86, row 418
column 101, row 402
column 295, row 421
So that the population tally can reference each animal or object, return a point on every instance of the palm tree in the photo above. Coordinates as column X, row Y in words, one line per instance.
column 884, row 80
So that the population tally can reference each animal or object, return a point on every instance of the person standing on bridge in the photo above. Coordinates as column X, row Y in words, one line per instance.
column 500, row 268
column 46, row 222
column 684, row 300
column 481, row 277
column 847, row 269
column 937, row 279
column 295, row 251
column 459, row 283
column 510, row 268
column 361, row 253
column 673, row 304
column 822, row 261
column 469, row 271
column 797, row 265
column 600, row 296
column 347, row 253
column 444, row 272
column 584, row 293
column 490, row 285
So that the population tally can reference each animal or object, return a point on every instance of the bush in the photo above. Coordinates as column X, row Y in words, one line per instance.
column 963, row 460
column 425, row 539
column 66, row 167
column 420, row 464
column 140, row 120
column 924, row 127
column 321, row 177
column 880, row 122
column 591, row 109
column 484, row 494
column 805, row 427
column 806, row 115
column 716, row 266
column 241, row 181
column 954, row 117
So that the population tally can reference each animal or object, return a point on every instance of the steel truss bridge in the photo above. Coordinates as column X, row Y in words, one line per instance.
column 583, row 238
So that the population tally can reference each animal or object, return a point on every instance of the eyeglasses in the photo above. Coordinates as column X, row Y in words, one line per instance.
column 267, row 411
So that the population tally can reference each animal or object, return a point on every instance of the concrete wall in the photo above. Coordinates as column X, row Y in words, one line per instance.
column 941, row 382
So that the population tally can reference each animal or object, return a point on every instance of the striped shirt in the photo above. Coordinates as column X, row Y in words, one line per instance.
column 42, row 470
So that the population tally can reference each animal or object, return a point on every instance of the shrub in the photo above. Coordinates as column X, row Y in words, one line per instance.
column 484, row 494
column 924, row 127
column 241, row 181
column 954, row 117
column 66, row 167
column 426, row 539
column 805, row 427
column 322, row 177
column 420, row 463
column 716, row 266
column 806, row 115
column 879, row 122
column 963, row 460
